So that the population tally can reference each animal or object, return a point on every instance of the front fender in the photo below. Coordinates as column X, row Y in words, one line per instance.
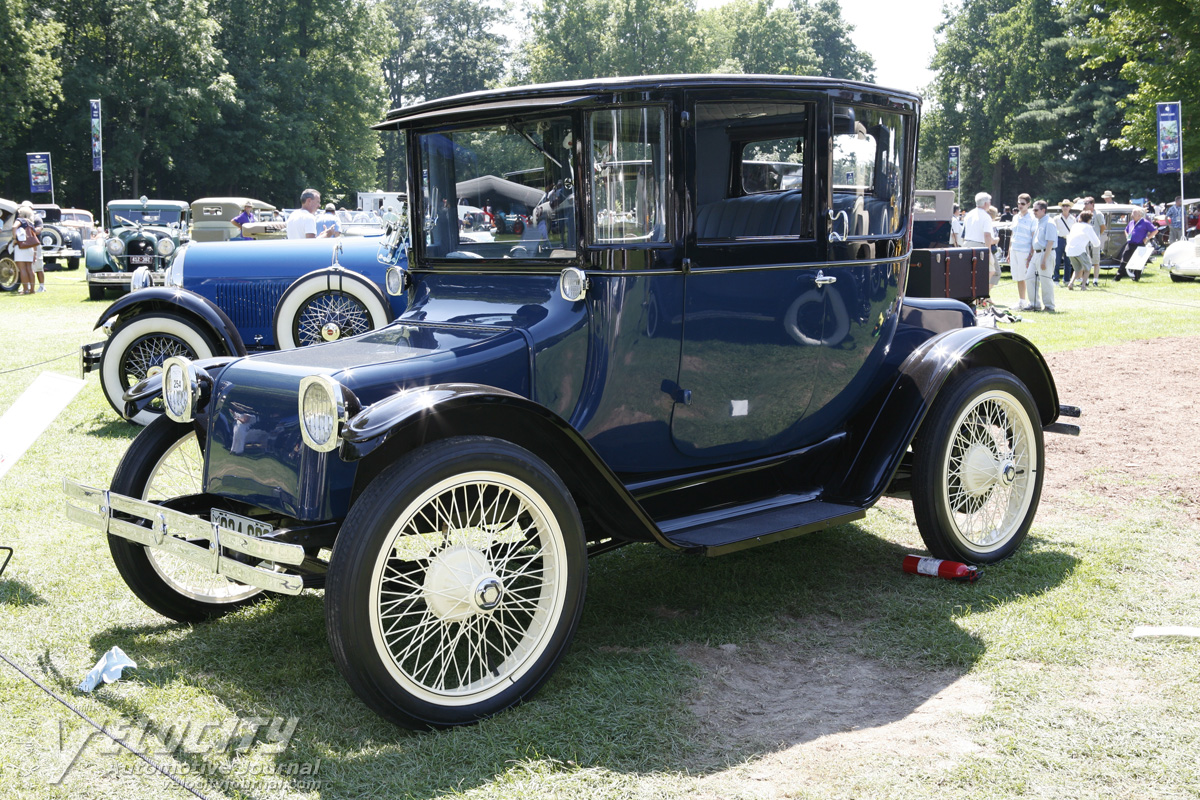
column 883, row 431
column 96, row 259
column 383, row 432
column 199, row 310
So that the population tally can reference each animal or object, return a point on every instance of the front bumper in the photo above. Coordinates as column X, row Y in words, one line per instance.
column 190, row 538
column 121, row 278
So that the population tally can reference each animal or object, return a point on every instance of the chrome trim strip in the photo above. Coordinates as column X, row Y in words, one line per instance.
column 167, row 526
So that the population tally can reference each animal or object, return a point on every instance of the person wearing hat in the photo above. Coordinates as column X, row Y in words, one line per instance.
column 1062, row 225
column 327, row 222
column 1107, row 196
column 241, row 219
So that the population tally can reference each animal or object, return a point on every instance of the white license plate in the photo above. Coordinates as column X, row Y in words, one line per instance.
column 236, row 522
column 141, row 261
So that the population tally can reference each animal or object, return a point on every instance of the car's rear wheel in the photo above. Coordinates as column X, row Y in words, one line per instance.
column 977, row 468
column 166, row 461
column 9, row 276
column 137, row 349
column 326, row 306
column 456, row 583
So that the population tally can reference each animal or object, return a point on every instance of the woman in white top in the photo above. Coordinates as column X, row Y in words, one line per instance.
column 25, row 244
column 1082, row 234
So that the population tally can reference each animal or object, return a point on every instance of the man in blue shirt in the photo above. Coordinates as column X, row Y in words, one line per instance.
column 1175, row 217
column 1042, row 260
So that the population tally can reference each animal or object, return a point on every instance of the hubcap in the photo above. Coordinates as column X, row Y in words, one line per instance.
column 330, row 331
column 460, row 583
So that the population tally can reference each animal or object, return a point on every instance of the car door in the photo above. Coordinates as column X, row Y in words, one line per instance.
column 753, row 308
column 866, row 219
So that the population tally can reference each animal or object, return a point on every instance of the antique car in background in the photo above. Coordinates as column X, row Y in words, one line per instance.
column 684, row 357
column 59, row 240
column 933, row 210
column 1182, row 260
column 212, row 217
column 81, row 220
column 9, row 278
column 231, row 298
column 141, row 233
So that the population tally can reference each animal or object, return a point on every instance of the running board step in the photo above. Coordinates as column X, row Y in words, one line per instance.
column 730, row 529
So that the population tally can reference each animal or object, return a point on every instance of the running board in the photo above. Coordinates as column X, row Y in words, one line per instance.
column 727, row 530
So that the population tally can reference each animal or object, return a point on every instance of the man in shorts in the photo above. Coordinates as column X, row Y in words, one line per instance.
column 980, row 231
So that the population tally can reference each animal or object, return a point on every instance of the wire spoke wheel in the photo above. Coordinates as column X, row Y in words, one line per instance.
column 468, row 588
column 977, row 468
column 330, row 316
column 989, row 468
column 147, row 354
column 179, row 473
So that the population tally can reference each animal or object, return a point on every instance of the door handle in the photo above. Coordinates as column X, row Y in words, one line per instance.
column 825, row 280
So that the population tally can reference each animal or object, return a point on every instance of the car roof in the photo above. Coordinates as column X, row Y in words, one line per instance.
column 237, row 201
column 176, row 204
column 78, row 211
column 550, row 95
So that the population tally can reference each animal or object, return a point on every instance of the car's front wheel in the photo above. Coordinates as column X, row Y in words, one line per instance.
column 9, row 276
column 166, row 461
column 977, row 468
column 456, row 583
column 137, row 349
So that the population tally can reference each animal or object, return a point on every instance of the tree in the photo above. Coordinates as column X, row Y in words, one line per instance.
column 29, row 84
column 832, row 40
column 754, row 36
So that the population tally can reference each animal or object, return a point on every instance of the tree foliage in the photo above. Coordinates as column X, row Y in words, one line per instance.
column 29, row 81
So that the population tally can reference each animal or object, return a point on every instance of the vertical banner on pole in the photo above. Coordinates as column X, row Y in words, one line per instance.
column 952, row 171
column 97, row 150
column 1170, row 147
column 40, row 179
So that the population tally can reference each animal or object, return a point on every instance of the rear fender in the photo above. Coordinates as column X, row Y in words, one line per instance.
column 885, row 429
column 198, row 310
column 383, row 432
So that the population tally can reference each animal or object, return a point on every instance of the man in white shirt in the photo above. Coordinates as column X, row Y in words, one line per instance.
column 956, row 227
column 1041, row 262
column 302, row 223
column 980, row 231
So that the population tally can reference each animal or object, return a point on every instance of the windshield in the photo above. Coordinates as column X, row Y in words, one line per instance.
column 144, row 216
column 472, row 209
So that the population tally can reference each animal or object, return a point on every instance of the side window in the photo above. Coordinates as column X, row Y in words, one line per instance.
column 629, row 175
column 753, row 162
column 868, row 160
column 505, row 190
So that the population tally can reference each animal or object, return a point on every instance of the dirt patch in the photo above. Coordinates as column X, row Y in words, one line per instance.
column 817, row 710
column 1141, row 423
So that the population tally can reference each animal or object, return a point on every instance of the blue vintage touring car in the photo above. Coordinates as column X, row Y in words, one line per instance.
column 679, row 348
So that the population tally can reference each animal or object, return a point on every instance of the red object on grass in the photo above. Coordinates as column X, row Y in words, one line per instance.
column 937, row 568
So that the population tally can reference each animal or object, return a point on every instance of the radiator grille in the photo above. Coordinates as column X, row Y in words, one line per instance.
column 250, row 304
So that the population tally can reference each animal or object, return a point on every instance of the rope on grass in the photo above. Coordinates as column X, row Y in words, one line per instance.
column 102, row 729
column 40, row 363
column 1148, row 299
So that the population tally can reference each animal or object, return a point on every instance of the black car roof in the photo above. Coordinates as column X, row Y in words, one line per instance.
column 565, row 92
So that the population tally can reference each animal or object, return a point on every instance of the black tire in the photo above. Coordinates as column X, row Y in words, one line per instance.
column 1181, row 278
column 977, row 468
column 140, row 345
column 73, row 263
column 328, row 305
column 95, row 292
column 10, row 278
column 529, row 576
column 165, row 461
column 51, row 237
column 518, row 227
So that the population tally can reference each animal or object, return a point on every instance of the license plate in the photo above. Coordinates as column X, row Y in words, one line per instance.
column 236, row 522
column 141, row 261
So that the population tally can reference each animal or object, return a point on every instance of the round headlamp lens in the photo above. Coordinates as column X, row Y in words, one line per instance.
column 319, row 414
column 115, row 246
column 165, row 247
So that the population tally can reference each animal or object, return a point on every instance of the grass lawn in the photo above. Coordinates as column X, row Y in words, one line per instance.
column 1073, row 706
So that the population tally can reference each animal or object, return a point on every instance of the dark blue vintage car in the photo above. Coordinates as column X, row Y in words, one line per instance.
column 231, row 298
column 678, row 349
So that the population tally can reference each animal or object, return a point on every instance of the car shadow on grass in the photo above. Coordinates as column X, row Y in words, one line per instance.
column 18, row 594
column 624, row 698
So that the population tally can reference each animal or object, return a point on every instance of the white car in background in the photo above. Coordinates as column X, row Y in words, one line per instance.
column 1182, row 260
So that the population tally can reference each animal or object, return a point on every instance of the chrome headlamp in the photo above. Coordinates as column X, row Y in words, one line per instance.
column 322, row 412
column 573, row 284
column 180, row 388
column 165, row 247
column 115, row 246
